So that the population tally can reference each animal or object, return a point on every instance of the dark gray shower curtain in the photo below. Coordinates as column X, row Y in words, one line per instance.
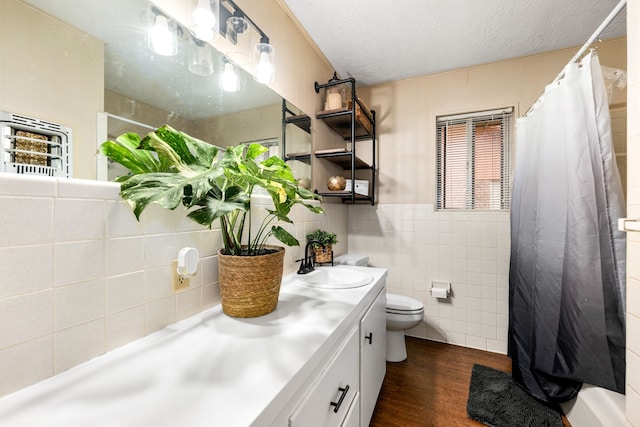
column 567, row 269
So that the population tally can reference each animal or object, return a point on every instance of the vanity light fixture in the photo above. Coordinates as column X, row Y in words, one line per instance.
column 229, row 80
column 162, row 36
column 240, row 37
column 200, row 57
column 205, row 19
column 238, row 32
column 263, row 61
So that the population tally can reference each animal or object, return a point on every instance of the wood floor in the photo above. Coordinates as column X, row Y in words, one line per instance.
column 431, row 387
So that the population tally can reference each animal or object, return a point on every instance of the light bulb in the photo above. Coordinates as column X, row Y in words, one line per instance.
column 228, row 79
column 200, row 59
column 204, row 24
column 203, row 33
column 263, row 60
column 264, row 69
column 202, row 14
column 164, row 41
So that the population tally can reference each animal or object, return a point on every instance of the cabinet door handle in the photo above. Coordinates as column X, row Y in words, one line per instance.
column 369, row 338
column 342, row 396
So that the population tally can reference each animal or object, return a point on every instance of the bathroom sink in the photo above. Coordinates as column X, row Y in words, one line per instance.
column 334, row 278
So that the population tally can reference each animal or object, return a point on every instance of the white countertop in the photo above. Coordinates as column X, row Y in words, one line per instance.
column 209, row 369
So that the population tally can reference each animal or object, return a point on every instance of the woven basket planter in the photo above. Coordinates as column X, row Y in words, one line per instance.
column 250, row 285
column 323, row 255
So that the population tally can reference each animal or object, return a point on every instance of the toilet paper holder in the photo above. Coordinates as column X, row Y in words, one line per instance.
column 440, row 289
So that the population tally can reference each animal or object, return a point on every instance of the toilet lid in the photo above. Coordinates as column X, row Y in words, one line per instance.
column 403, row 304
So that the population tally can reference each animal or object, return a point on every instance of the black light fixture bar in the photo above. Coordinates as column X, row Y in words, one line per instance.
column 226, row 14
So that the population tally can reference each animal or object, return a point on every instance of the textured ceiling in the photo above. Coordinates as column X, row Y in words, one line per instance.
column 378, row 41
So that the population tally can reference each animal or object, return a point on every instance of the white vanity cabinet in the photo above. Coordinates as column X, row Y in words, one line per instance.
column 373, row 360
column 346, row 391
column 329, row 400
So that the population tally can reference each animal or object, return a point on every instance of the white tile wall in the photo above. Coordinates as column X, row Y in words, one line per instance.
column 468, row 249
column 79, row 276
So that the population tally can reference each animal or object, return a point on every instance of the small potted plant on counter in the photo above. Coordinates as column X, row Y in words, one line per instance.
column 169, row 167
column 323, row 255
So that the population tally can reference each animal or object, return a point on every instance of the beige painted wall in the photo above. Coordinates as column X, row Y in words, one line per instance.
column 407, row 109
column 123, row 106
column 249, row 125
column 41, row 79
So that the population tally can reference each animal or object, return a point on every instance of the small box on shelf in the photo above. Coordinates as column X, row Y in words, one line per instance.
column 361, row 186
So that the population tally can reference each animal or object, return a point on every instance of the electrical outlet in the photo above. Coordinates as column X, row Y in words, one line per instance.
column 179, row 283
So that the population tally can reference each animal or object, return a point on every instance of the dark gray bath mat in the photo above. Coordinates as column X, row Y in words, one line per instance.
column 496, row 400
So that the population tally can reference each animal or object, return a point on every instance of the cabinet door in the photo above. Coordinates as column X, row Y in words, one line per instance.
column 373, row 348
column 352, row 419
column 332, row 394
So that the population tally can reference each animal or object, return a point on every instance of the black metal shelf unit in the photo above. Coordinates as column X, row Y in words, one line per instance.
column 303, row 122
column 353, row 124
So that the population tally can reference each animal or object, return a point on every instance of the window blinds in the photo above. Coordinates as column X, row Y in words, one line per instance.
column 472, row 160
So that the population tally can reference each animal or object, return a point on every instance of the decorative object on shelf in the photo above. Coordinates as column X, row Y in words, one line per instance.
column 336, row 96
column 170, row 168
column 323, row 255
column 361, row 114
column 362, row 186
column 336, row 183
column 304, row 183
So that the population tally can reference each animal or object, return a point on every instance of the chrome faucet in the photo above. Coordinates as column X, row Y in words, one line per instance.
column 307, row 264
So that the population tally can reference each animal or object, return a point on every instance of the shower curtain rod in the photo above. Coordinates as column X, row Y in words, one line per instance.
column 616, row 10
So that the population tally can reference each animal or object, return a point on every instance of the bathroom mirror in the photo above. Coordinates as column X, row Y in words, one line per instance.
column 144, row 90
column 296, row 142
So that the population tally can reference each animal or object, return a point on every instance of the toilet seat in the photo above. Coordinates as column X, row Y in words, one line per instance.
column 400, row 304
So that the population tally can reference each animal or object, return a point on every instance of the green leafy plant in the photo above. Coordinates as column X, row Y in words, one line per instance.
column 323, row 237
column 169, row 168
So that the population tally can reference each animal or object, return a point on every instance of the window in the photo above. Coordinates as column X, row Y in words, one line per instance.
column 472, row 160
column 272, row 145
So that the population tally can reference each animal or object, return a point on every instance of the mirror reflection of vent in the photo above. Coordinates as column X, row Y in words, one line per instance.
column 34, row 147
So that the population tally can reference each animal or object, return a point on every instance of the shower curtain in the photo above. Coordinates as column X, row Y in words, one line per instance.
column 567, row 268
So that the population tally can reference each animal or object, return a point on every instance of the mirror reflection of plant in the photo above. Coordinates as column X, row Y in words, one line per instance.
column 169, row 167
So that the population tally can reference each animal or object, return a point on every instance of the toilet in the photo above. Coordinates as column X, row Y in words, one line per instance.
column 402, row 312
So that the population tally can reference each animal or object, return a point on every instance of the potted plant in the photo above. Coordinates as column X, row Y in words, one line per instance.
column 328, row 240
column 170, row 168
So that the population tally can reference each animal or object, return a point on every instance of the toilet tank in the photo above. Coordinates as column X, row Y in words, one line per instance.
column 360, row 260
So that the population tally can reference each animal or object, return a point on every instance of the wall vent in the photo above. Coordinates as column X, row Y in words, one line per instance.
column 35, row 147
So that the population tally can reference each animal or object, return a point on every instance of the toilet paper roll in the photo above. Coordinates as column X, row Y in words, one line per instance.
column 439, row 292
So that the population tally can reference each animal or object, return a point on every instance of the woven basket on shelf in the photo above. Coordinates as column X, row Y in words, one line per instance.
column 250, row 285
column 323, row 255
